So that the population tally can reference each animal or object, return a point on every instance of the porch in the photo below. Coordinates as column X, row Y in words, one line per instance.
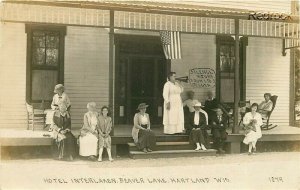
column 122, row 136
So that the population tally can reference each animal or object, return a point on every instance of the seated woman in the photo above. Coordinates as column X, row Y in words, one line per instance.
column 65, row 140
column 252, row 121
column 143, row 136
column 188, row 106
column 60, row 96
column 265, row 106
column 197, row 128
column 105, row 127
column 88, row 140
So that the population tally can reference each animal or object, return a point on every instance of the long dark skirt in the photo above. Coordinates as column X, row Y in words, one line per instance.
column 146, row 139
column 199, row 136
column 66, row 147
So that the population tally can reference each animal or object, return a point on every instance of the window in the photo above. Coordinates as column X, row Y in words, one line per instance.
column 45, row 61
column 225, row 70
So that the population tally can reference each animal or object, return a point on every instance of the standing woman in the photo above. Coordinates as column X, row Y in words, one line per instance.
column 173, row 118
column 105, row 126
column 88, row 140
column 65, row 140
column 143, row 136
column 252, row 122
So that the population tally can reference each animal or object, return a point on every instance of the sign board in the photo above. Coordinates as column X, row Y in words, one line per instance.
column 202, row 78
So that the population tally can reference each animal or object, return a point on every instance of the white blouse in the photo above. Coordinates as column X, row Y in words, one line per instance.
column 143, row 119
column 197, row 118
column 57, row 99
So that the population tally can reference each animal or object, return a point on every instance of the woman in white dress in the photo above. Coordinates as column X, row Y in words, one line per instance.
column 252, row 122
column 88, row 140
column 173, row 118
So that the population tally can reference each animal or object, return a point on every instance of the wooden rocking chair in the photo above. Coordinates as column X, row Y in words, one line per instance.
column 267, row 125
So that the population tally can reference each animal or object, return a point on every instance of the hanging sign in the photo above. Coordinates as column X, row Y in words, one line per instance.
column 202, row 78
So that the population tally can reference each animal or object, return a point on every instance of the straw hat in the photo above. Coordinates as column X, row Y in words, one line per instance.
column 142, row 106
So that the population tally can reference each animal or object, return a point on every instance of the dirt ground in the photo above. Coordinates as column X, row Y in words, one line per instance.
column 272, row 170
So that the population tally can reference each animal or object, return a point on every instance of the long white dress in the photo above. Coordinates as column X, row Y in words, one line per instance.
column 88, row 143
column 173, row 119
column 253, row 136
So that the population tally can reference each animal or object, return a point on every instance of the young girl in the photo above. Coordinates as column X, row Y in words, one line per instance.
column 105, row 127
column 252, row 121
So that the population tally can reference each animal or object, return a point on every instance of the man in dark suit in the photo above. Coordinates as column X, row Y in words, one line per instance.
column 210, row 104
column 219, row 124
column 196, row 128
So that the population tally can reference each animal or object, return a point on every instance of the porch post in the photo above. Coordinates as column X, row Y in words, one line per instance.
column 111, row 67
column 235, row 128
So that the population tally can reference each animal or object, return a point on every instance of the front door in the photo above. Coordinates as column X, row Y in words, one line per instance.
column 140, row 75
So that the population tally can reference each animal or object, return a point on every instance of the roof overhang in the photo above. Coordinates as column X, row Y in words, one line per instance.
column 166, row 8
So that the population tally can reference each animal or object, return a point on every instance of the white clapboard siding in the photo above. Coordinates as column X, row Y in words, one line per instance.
column 268, row 71
column 86, row 69
column 13, row 76
column 198, row 51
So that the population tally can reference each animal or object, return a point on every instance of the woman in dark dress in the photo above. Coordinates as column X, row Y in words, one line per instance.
column 65, row 142
column 143, row 136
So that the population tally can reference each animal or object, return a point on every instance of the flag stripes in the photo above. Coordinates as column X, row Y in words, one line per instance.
column 171, row 42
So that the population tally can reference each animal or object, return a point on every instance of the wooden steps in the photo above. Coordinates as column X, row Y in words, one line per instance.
column 166, row 146
column 171, row 154
column 169, row 150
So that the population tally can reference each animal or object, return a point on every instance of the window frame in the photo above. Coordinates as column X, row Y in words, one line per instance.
column 229, row 40
column 29, row 29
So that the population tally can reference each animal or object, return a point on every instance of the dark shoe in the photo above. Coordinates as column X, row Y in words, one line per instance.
column 92, row 158
column 249, row 153
column 221, row 151
column 145, row 150
column 149, row 150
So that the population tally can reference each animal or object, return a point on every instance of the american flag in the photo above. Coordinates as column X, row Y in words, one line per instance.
column 171, row 44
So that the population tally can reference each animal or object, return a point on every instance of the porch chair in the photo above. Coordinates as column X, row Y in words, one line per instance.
column 34, row 117
column 267, row 125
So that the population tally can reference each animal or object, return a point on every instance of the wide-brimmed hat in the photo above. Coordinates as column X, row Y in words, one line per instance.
column 58, row 86
column 198, row 104
column 142, row 106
